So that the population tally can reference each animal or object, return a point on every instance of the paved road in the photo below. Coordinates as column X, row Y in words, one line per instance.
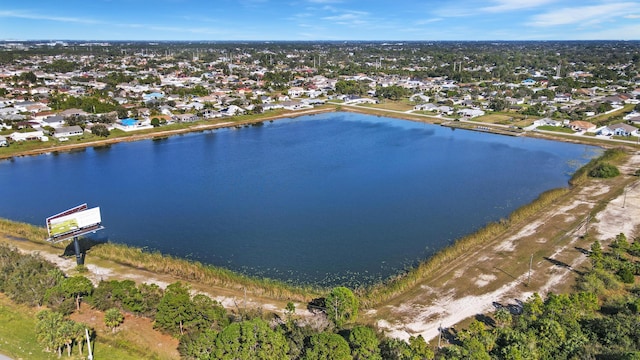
column 4, row 357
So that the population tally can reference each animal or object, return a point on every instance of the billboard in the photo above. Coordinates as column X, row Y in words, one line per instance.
column 74, row 222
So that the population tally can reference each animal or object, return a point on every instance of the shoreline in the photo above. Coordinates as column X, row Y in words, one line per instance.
column 332, row 107
column 162, row 133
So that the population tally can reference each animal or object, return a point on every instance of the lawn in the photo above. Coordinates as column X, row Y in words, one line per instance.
column 560, row 129
column 17, row 333
column 401, row 105
column 18, row 340
column 506, row 119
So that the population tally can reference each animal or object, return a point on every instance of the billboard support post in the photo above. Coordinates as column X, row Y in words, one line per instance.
column 76, row 247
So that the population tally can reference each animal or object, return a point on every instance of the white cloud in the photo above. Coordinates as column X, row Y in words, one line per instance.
column 511, row 5
column 583, row 14
column 32, row 16
column 427, row 21
column 348, row 17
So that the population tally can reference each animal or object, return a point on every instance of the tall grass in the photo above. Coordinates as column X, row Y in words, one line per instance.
column 23, row 231
column 610, row 155
column 197, row 272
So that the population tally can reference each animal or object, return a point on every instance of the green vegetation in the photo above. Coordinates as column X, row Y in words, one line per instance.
column 201, row 273
column 598, row 321
column 609, row 156
column 560, row 129
column 113, row 318
column 341, row 306
column 604, row 171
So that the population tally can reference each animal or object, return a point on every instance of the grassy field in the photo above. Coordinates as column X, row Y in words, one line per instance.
column 18, row 340
column 17, row 332
column 401, row 105
column 559, row 129
column 506, row 119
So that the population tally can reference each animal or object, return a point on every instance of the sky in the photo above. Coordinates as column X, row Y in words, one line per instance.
column 273, row 20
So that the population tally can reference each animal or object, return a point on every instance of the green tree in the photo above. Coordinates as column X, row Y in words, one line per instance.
column 155, row 122
column 250, row 339
column 175, row 309
column 596, row 255
column 113, row 318
column 207, row 313
column 100, row 130
column 341, row 306
column 364, row 343
column 327, row 346
column 77, row 287
column 47, row 330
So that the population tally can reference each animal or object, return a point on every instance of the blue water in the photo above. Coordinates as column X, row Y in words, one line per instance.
column 129, row 122
column 328, row 199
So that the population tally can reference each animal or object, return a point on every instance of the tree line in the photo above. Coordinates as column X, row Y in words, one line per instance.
column 600, row 320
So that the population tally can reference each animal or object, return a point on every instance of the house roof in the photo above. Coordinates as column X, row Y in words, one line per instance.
column 626, row 127
column 581, row 124
column 69, row 129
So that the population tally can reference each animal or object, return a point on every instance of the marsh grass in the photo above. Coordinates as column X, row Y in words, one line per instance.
column 609, row 156
column 201, row 273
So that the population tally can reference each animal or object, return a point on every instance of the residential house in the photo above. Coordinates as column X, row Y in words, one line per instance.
column 73, row 112
column 211, row 114
column 354, row 100
column 419, row 98
column 528, row 82
column 232, row 110
column 67, row 131
column 24, row 136
column 547, row 122
column 295, row 92
column 426, row 107
column 3, row 141
column 582, row 126
column 447, row 110
column 295, row 105
column 53, row 121
column 620, row 129
column 470, row 113
column 271, row 106
column 185, row 117
column 562, row 98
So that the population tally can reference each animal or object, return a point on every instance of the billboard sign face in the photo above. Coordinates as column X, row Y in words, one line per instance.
column 74, row 222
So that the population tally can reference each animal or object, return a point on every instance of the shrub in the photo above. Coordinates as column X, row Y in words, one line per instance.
column 604, row 171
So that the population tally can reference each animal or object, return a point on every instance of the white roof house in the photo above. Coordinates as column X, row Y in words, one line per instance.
column 67, row 131
column 24, row 136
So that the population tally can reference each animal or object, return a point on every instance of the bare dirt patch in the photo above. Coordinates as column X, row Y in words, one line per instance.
column 477, row 284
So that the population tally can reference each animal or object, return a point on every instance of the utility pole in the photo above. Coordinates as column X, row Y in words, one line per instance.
column 86, row 333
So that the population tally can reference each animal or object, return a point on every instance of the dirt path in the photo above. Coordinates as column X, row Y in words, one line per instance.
column 497, row 274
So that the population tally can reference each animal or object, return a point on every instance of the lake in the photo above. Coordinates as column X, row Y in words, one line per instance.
column 336, row 198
